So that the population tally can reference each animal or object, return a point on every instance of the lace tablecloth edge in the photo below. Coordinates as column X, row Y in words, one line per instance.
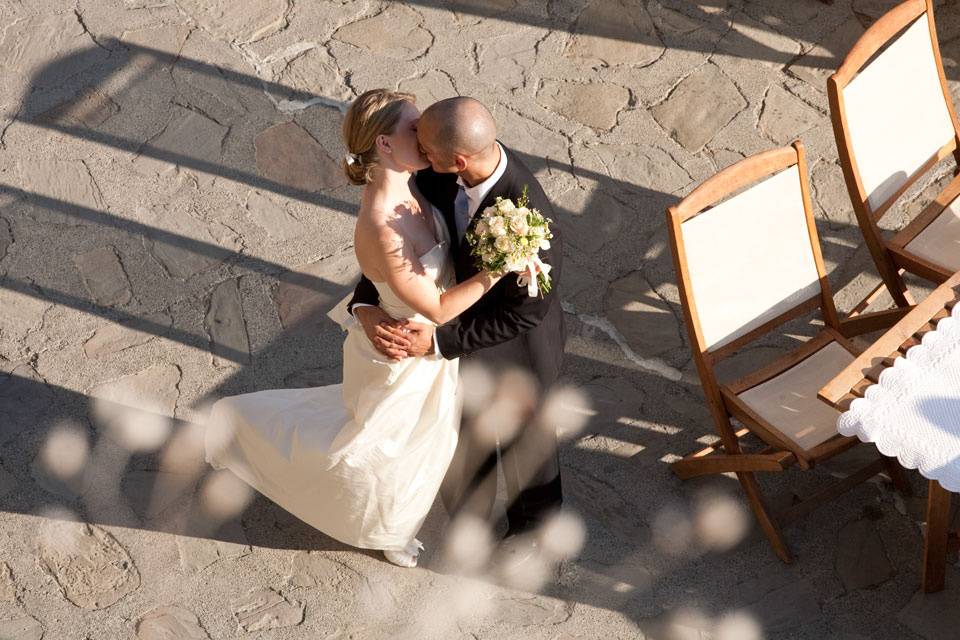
column 950, row 482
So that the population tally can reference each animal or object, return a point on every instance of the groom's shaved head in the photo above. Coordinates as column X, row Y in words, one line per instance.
column 459, row 125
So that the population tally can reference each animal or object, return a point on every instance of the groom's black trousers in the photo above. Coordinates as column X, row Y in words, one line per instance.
column 531, row 467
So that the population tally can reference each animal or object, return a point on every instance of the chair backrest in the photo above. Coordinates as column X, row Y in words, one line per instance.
column 746, row 251
column 892, row 113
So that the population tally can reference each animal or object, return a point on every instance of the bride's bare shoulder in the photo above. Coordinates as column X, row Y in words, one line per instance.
column 376, row 231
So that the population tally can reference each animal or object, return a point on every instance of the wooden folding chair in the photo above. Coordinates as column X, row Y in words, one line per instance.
column 748, row 260
column 894, row 120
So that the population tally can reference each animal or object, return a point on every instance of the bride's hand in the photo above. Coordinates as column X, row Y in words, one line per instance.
column 385, row 333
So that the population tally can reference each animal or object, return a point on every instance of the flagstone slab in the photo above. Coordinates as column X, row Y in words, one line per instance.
column 785, row 116
column 314, row 72
column 869, row 11
column 672, row 21
column 25, row 399
column 595, row 104
column 702, row 104
column 312, row 377
column 196, row 554
column 530, row 610
column 781, row 13
column 830, row 193
column 190, row 139
column 64, row 181
column 264, row 609
column 25, row 628
column 90, row 108
column 150, row 493
column 506, row 59
column 592, row 218
column 819, row 62
column 222, row 18
column 933, row 616
column 182, row 243
column 8, row 588
column 614, row 32
column 289, row 155
column 305, row 295
column 756, row 44
column 170, row 623
column 786, row 608
column 226, row 326
column 116, row 337
column 396, row 32
column 92, row 569
column 155, row 46
column 8, row 482
column 104, row 277
column 22, row 314
column 631, row 168
column 31, row 44
column 429, row 88
column 135, row 410
column 543, row 148
column 311, row 569
column 642, row 317
column 862, row 561
column 6, row 238
column 272, row 217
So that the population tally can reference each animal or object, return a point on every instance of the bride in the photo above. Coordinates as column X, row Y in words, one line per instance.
column 362, row 461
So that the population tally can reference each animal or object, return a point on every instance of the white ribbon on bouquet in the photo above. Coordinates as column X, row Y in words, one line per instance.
column 528, row 277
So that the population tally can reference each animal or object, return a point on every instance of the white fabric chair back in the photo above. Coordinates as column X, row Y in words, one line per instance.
column 896, row 113
column 749, row 258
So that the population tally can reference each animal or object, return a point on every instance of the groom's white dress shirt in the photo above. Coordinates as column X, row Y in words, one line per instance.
column 467, row 202
column 469, row 198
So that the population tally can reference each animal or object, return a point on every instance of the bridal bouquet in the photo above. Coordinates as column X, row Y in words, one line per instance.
column 508, row 237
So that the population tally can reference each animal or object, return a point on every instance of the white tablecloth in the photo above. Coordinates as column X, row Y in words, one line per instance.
column 913, row 413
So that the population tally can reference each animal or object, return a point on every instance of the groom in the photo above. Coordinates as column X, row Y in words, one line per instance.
column 505, row 330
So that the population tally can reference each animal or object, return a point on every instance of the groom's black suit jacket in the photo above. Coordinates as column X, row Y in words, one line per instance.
column 506, row 327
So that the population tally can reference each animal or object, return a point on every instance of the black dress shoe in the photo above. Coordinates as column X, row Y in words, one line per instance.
column 520, row 563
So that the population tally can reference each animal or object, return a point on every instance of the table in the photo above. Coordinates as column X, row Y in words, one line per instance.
column 853, row 382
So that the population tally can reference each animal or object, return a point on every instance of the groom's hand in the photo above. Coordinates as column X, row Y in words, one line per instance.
column 420, row 338
column 386, row 334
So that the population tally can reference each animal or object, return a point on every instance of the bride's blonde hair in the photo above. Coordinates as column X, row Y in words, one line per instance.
column 374, row 113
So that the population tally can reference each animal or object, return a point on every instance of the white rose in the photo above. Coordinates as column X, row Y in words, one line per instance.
column 498, row 226
column 519, row 224
column 516, row 262
column 506, row 206
column 503, row 243
column 481, row 228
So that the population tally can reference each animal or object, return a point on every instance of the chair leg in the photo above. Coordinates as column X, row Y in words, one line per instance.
column 767, row 523
column 890, row 274
column 938, row 535
column 897, row 475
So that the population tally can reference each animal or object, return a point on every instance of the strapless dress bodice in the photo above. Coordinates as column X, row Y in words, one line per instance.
column 437, row 264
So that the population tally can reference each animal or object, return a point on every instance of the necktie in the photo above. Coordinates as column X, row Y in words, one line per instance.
column 461, row 211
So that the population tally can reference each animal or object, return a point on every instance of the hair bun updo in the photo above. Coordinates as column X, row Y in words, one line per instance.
column 374, row 113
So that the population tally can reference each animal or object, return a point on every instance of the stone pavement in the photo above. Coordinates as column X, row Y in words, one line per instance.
column 174, row 223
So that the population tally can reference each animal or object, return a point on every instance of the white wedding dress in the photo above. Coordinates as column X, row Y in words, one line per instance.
column 361, row 461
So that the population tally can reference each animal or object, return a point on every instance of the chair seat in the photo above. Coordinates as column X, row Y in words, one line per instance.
column 789, row 400
column 939, row 242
